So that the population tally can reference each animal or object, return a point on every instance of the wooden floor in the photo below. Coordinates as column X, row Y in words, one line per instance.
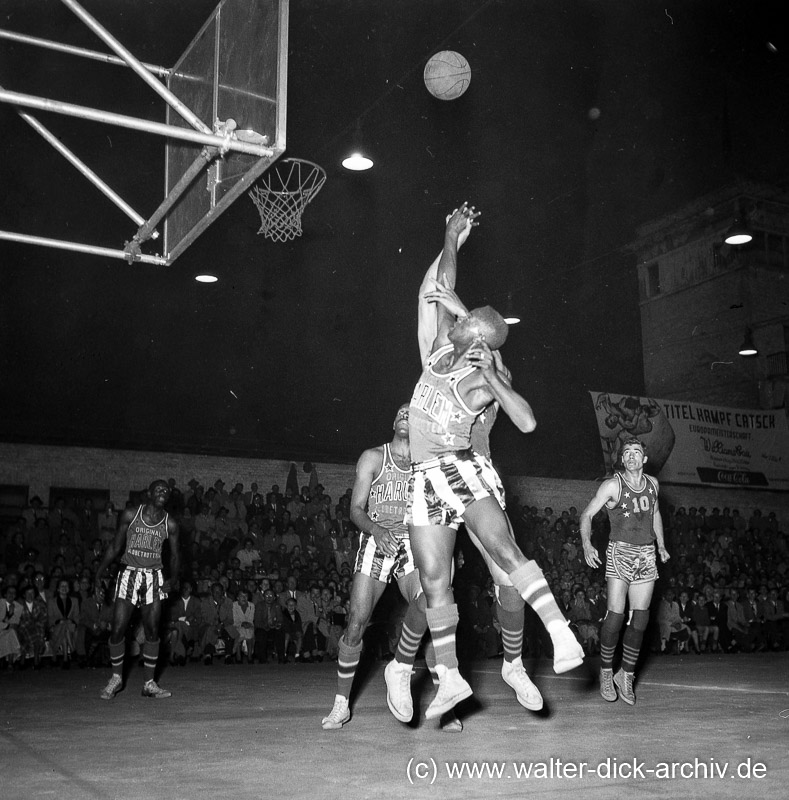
column 254, row 732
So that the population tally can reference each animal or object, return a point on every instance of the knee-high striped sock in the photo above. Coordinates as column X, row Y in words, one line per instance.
column 509, row 610
column 150, row 655
column 633, row 637
column 347, row 662
column 530, row 582
column 609, row 637
column 117, row 653
column 414, row 627
column 430, row 660
column 443, row 624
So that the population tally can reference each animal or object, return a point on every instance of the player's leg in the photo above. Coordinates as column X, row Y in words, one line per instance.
column 609, row 631
column 121, row 614
column 510, row 613
column 399, row 670
column 151, row 614
column 433, row 546
column 639, row 597
column 365, row 593
column 489, row 522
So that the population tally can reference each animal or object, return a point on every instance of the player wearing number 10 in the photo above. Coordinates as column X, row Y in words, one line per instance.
column 631, row 499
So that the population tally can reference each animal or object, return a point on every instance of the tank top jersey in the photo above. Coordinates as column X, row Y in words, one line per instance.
column 632, row 517
column 439, row 421
column 389, row 496
column 480, row 430
column 144, row 542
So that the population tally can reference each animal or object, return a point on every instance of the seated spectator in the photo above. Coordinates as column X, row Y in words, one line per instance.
column 94, row 628
column 216, row 616
column 582, row 618
column 290, row 538
column 10, row 613
column 32, row 628
column 671, row 627
column 269, row 636
column 702, row 619
column 243, row 628
column 742, row 638
column 776, row 620
column 62, row 619
column 248, row 555
column 716, row 609
column 687, row 615
column 183, row 625
column 292, row 630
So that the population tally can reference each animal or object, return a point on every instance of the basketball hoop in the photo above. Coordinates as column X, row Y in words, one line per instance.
column 283, row 193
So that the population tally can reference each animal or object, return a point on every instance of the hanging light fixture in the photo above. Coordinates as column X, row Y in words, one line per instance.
column 357, row 161
column 748, row 348
column 510, row 315
column 740, row 232
column 205, row 277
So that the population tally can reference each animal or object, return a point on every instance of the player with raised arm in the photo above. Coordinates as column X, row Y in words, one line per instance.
column 630, row 498
column 139, row 542
column 451, row 483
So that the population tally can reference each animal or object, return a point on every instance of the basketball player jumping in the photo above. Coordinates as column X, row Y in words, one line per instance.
column 630, row 498
column 378, row 504
column 140, row 538
column 509, row 603
column 450, row 483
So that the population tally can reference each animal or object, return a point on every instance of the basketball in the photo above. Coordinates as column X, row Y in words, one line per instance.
column 447, row 75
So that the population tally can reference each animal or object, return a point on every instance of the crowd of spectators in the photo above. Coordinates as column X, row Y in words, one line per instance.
column 267, row 576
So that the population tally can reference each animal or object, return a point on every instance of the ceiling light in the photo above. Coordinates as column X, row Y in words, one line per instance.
column 357, row 162
column 748, row 348
column 205, row 277
column 510, row 315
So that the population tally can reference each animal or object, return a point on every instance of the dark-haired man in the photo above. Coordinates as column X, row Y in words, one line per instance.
column 630, row 497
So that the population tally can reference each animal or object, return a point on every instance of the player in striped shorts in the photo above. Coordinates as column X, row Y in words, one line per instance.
column 378, row 505
column 139, row 542
column 630, row 498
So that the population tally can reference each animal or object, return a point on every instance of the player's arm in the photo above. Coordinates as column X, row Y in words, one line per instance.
column 175, row 554
column 496, row 387
column 367, row 468
column 432, row 316
column 607, row 493
column 657, row 526
column 115, row 547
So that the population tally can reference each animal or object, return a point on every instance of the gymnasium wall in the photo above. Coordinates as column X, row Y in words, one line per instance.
column 39, row 467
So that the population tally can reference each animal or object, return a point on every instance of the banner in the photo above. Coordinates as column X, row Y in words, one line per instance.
column 694, row 443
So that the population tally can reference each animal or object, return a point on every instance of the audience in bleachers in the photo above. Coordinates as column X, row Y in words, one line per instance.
column 267, row 578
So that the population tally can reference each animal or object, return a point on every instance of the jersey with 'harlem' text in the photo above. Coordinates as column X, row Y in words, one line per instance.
column 439, row 421
column 389, row 496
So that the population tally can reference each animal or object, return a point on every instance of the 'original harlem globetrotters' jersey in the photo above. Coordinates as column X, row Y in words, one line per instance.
column 632, row 517
column 389, row 496
column 144, row 542
column 439, row 421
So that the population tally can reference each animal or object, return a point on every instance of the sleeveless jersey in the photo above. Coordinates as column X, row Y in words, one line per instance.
column 439, row 421
column 389, row 496
column 632, row 517
column 144, row 542
column 480, row 430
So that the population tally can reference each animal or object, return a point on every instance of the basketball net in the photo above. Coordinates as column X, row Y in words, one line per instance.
column 283, row 193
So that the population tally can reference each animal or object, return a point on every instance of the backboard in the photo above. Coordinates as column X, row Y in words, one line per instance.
column 235, row 68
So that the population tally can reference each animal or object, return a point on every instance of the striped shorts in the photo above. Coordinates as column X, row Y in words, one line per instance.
column 631, row 563
column 441, row 490
column 381, row 567
column 140, row 586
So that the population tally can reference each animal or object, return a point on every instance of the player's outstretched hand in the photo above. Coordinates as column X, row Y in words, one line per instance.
column 465, row 218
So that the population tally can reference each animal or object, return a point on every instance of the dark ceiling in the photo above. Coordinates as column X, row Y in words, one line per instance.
column 305, row 349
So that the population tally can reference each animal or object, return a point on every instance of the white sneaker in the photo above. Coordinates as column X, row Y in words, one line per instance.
column 452, row 688
column 514, row 675
column 398, row 690
column 449, row 723
column 152, row 689
column 567, row 651
column 112, row 688
column 338, row 716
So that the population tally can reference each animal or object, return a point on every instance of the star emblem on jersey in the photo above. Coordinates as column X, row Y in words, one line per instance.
column 627, row 494
column 374, row 516
column 449, row 439
column 626, row 514
column 457, row 416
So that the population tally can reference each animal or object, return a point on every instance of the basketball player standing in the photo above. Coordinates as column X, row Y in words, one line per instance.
column 140, row 538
